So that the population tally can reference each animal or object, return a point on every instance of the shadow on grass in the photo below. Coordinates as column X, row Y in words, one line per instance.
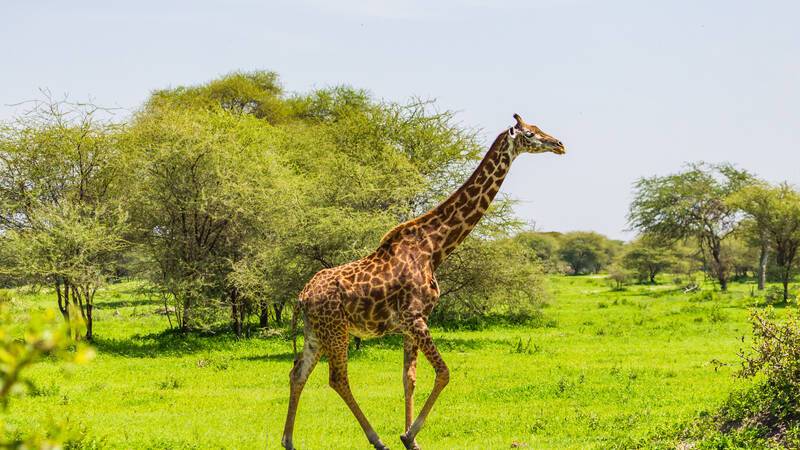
column 175, row 343
column 114, row 304
column 275, row 357
column 390, row 342
column 443, row 343
column 171, row 343
column 165, row 343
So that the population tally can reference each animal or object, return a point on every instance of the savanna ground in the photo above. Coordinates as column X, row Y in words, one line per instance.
column 600, row 369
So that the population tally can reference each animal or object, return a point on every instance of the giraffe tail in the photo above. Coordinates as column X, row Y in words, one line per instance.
column 294, row 328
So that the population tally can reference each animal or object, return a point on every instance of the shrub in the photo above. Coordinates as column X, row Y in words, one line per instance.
column 703, row 296
column 715, row 314
column 773, row 296
column 776, row 354
column 526, row 348
column 512, row 291
column 5, row 297
column 619, row 277
column 767, row 414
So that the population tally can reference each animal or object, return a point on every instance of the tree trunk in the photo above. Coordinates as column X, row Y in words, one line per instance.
column 722, row 275
column 278, row 308
column 236, row 314
column 786, row 277
column 76, row 295
column 263, row 317
column 723, row 283
column 89, row 319
column 243, row 319
column 762, row 266
column 63, row 300
column 186, row 313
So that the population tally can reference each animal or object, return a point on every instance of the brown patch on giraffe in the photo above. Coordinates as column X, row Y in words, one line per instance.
column 473, row 219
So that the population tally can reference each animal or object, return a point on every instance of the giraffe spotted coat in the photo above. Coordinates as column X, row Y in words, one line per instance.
column 394, row 289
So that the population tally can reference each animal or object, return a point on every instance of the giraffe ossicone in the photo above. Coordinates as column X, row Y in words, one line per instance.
column 394, row 289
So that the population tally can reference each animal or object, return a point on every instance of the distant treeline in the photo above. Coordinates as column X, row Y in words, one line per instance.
column 712, row 218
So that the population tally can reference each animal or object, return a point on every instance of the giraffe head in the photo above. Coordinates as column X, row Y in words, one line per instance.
column 527, row 138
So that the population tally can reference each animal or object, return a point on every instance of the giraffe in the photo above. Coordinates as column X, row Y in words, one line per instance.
column 394, row 289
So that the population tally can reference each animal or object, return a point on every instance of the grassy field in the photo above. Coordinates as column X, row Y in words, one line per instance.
column 604, row 369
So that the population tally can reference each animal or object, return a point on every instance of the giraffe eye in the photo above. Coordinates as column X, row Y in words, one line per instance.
column 528, row 133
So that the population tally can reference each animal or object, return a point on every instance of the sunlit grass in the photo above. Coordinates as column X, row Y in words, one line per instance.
column 606, row 368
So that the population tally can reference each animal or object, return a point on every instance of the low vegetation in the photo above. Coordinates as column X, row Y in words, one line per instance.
column 765, row 412
column 43, row 337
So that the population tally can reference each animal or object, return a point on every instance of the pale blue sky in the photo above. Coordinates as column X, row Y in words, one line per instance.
column 632, row 88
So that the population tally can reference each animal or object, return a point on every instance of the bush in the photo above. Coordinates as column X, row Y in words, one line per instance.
column 773, row 295
column 512, row 292
column 5, row 297
column 767, row 414
column 619, row 277
column 715, row 314
column 703, row 296
column 776, row 354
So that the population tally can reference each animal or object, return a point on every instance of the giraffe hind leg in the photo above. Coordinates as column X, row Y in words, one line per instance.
column 410, row 351
column 418, row 330
column 303, row 365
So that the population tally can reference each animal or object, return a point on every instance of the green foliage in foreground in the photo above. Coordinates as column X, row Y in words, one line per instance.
column 42, row 336
column 767, row 413
column 601, row 369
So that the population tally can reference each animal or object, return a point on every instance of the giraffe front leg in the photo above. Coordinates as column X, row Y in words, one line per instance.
column 410, row 351
column 418, row 330
column 336, row 343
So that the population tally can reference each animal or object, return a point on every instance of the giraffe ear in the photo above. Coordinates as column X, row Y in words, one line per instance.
column 512, row 131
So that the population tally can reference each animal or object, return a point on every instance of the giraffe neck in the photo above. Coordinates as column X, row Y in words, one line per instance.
column 448, row 224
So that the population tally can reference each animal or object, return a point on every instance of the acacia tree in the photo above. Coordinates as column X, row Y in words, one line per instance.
column 775, row 212
column 60, row 224
column 544, row 247
column 205, row 183
column 647, row 257
column 692, row 204
column 742, row 254
column 586, row 251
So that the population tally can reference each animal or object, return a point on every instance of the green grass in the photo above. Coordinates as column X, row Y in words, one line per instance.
column 606, row 369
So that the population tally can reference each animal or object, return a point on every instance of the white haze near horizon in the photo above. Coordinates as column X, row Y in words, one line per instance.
column 632, row 88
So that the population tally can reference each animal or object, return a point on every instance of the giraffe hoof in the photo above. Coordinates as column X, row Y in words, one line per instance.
column 409, row 443
column 287, row 444
column 380, row 446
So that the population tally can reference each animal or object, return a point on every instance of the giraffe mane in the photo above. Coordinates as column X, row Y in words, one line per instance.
column 394, row 232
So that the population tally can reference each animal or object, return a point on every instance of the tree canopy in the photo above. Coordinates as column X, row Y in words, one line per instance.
column 775, row 215
column 229, row 195
column 691, row 204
